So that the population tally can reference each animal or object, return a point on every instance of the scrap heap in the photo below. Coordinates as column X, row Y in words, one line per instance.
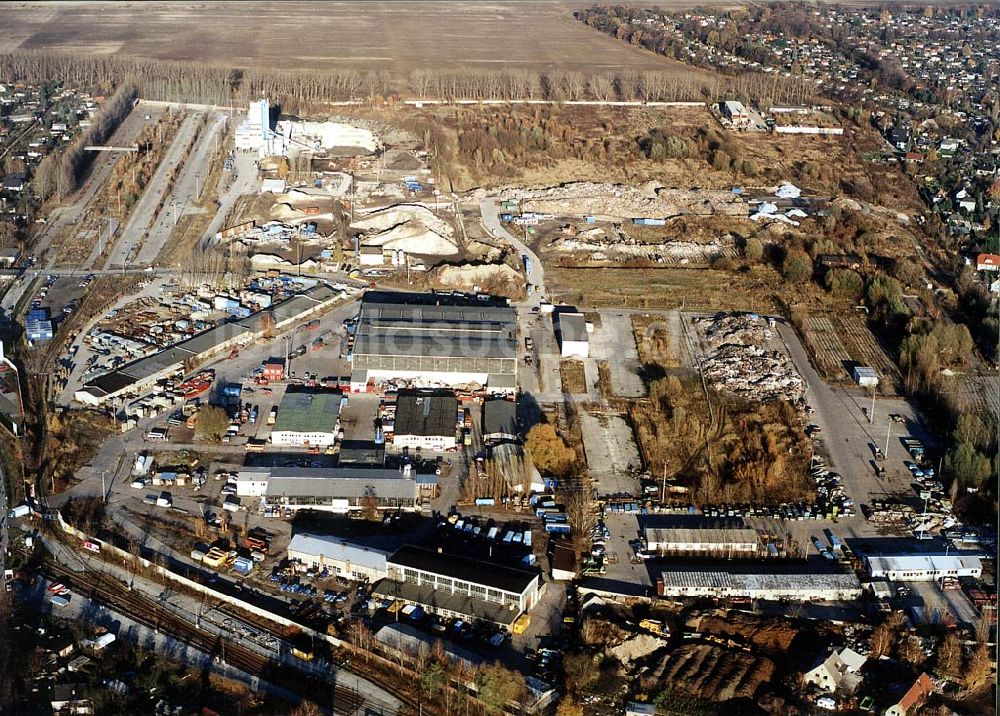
column 737, row 360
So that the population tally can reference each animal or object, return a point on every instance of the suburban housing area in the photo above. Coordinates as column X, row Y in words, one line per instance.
column 519, row 359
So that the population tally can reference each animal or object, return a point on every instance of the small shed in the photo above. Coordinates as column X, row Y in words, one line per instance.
column 864, row 376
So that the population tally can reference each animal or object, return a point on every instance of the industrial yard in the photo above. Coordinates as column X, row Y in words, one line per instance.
column 396, row 405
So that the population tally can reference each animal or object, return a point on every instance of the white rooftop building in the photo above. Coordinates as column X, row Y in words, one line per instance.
column 345, row 559
column 923, row 567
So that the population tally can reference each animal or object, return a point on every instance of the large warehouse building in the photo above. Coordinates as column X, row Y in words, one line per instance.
column 342, row 558
column 731, row 582
column 337, row 489
column 435, row 340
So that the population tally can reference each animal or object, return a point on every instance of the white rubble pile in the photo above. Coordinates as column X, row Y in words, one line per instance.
column 619, row 201
column 667, row 251
column 738, row 361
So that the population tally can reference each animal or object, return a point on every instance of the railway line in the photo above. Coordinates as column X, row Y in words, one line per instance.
column 114, row 595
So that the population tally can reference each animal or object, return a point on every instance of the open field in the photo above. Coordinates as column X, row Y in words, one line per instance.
column 397, row 37
column 665, row 288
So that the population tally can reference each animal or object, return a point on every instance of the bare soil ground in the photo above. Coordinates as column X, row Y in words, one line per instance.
column 393, row 36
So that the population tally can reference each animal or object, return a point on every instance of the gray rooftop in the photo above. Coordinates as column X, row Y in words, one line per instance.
column 757, row 581
column 416, row 325
column 573, row 327
column 720, row 536
column 339, row 482
column 426, row 414
column 337, row 549
column 499, row 417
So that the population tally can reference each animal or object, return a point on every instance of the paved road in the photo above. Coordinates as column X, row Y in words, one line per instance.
column 187, row 188
column 3, row 527
column 490, row 210
column 243, row 181
column 144, row 212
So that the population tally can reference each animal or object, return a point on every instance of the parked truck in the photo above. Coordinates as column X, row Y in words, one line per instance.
column 272, row 416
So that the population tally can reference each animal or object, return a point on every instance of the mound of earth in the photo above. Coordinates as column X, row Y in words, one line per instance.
column 620, row 201
column 410, row 228
column 475, row 275
column 712, row 673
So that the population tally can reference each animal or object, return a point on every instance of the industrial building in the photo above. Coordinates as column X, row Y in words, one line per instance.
column 459, row 587
column 255, row 134
column 499, row 421
column 340, row 489
column 923, row 567
column 735, row 112
column 143, row 374
column 704, row 539
column 574, row 340
column 729, row 582
column 425, row 420
column 307, row 418
column 410, row 640
column 342, row 558
column 435, row 340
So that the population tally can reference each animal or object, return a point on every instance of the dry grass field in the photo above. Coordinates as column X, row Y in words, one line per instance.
column 393, row 36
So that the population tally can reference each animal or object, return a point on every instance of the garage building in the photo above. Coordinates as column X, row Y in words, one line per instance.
column 434, row 340
column 425, row 420
column 459, row 587
column 707, row 540
column 499, row 421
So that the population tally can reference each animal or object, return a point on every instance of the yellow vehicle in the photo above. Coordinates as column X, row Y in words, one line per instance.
column 655, row 626
column 395, row 606
column 521, row 624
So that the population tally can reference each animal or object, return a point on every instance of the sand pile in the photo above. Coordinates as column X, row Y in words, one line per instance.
column 410, row 228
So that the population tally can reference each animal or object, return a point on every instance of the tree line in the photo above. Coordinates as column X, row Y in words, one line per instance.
column 297, row 90
column 59, row 174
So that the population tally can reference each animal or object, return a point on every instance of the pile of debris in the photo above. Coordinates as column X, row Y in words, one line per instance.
column 737, row 360
column 619, row 201
column 622, row 249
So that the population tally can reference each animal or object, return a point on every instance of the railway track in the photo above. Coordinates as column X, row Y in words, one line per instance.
column 148, row 612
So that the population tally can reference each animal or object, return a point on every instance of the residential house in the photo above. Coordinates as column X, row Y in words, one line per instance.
column 914, row 698
column 988, row 262
column 839, row 671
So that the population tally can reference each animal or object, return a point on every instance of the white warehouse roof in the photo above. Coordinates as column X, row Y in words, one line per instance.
column 926, row 563
column 337, row 550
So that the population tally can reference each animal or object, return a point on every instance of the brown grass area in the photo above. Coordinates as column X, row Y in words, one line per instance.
column 572, row 376
column 604, row 380
column 653, row 342
column 696, row 289
column 742, row 452
column 73, row 439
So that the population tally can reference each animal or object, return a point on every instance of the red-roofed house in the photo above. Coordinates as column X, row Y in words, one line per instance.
column 988, row 262
column 915, row 697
